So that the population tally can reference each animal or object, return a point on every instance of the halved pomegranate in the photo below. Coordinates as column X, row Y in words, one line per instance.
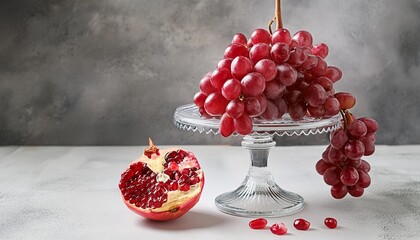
column 162, row 184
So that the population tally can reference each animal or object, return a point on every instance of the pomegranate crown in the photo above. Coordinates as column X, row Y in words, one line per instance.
column 151, row 149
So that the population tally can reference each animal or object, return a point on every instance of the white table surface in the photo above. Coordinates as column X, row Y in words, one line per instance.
column 72, row 193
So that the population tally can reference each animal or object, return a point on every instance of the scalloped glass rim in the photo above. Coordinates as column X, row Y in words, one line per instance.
column 188, row 117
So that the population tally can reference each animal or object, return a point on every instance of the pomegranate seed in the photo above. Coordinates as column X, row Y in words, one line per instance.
column 184, row 187
column 173, row 166
column 185, row 171
column 301, row 224
column 258, row 223
column 330, row 222
column 278, row 229
column 170, row 156
column 194, row 180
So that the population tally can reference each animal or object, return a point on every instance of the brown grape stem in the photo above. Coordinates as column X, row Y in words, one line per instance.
column 269, row 25
column 347, row 118
column 276, row 18
column 279, row 23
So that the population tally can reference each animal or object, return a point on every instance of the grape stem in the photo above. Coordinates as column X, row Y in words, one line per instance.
column 276, row 18
column 279, row 23
column 347, row 118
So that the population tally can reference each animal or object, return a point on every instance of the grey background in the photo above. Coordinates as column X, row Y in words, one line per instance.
column 112, row 72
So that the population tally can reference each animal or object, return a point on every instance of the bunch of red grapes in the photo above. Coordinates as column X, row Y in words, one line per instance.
column 266, row 77
column 270, row 75
column 341, row 163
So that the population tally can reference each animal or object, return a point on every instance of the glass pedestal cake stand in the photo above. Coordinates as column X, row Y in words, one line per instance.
column 258, row 195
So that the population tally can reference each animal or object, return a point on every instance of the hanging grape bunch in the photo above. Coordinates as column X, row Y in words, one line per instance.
column 271, row 74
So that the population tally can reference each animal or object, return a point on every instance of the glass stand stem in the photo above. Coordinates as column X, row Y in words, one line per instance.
column 259, row 195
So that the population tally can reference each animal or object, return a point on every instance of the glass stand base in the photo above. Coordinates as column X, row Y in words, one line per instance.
column 259, row 195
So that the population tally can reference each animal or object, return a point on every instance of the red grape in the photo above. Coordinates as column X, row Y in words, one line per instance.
column 281, row 106
column 205, row 85
column 369, row 145
column 352, row 162
column 259, row 51
column 297, row 111
column 321, row 166
column 303, row 38
column 320, row 69
column 253, row 107
column 241, row 66
column 215, row 104
column 297, row 57
column 243, row 124
column 371, row 137
column 315, row 95
column 346, row 100
column 320, row 50
column 364, row 166
column 253, row 84
column 294, row 96
column 339, row 139
column 263, row 101
column 310, row 62
column 239, row 38
column 357, row 129
column 332, row 106
column 271, row 112
column 326, row 83
column 356, row 191
column 349, row 176
column 281, row 35
column 371, row 125
column 274, row 89
column 219, row 77
column 203, row 112
column 199, row 99
column 299, row 85
column 280, row 52
column 226, row 125
column 231, row 89
column 336, row 156
column 235, row 108
column 339, row 191
column 354, row 149
column 225, row 63
column 234, row 50
column 267, row 68
column 286, row 74
column 260, row 36
column 325, row 154
column 332, row 175
column 364, row 179
column 316, row 112
column 333, row 73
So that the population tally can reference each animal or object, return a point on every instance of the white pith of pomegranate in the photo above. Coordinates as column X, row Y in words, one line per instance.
column 164, row 186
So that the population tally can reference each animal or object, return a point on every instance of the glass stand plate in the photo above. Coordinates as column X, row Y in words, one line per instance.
column 258, row 195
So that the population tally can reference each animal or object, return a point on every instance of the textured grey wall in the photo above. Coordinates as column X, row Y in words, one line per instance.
column 112, row 72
